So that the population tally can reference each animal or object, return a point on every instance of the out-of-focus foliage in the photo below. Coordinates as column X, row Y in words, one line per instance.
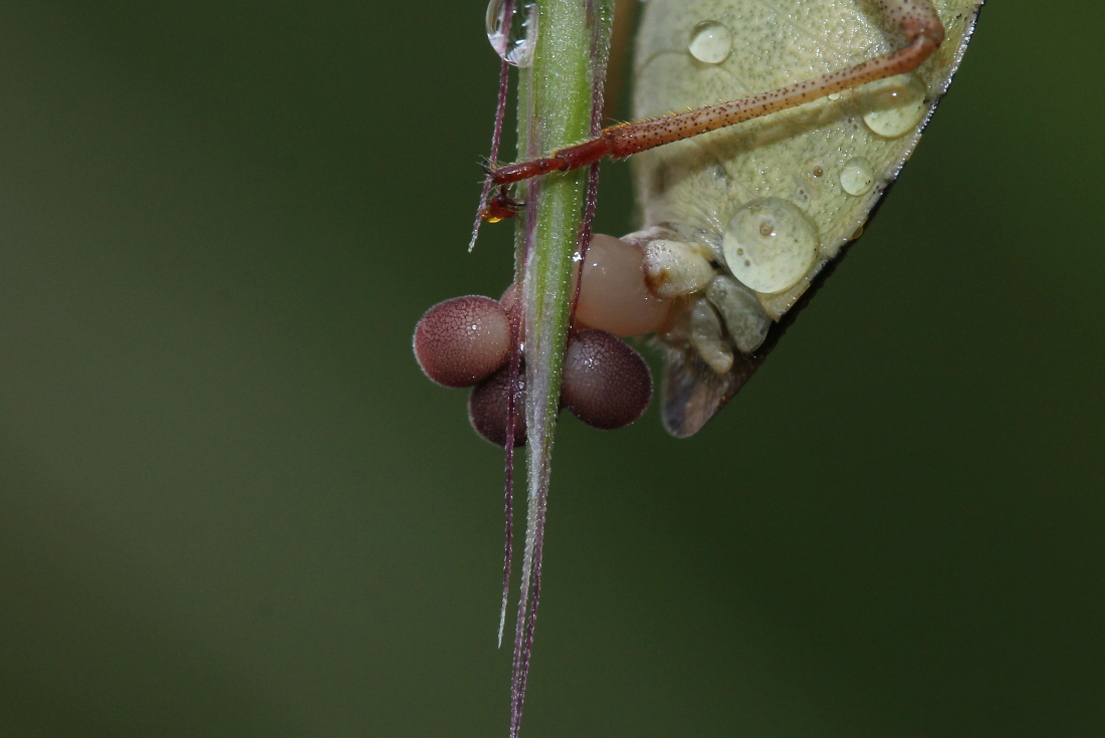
column 230, row 504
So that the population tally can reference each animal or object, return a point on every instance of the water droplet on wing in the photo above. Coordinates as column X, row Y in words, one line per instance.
column 857, row 177
column 895, row 105
column 770, row 244
column 710, row 42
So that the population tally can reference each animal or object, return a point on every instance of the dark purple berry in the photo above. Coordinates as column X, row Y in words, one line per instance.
column 462, row 341
column 606, row 383
column 487, row 406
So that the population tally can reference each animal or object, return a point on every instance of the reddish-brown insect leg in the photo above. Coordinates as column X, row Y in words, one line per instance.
column 917, row 20
column 566, row 159
column 524, row 170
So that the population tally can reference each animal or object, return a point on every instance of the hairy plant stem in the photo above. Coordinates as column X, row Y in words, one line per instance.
column 560, row 103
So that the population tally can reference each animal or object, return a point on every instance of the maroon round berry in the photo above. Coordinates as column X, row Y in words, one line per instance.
column 606, row 383
column 509, row 299
column 487, row 406
column 462, row 341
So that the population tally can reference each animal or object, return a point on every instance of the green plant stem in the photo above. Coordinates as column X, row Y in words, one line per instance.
column 556, row 99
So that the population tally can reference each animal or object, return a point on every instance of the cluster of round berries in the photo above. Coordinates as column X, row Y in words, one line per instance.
column 466, row 341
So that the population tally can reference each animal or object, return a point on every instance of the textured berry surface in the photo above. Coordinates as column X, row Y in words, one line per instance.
column 606, row 383
column 463, row 340
column 487, row 407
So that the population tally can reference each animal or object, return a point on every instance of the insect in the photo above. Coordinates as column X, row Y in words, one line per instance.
column 750, row 199
column 768, row 204
column 797, row 117
column 739, row 220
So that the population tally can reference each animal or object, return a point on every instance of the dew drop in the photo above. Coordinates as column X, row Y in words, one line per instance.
column 770, row 244
column 857, row 177
column 517, row 48
column 895, row 105
column 710, row 42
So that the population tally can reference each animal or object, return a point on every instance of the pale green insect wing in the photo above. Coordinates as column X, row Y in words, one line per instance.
column 775, row 199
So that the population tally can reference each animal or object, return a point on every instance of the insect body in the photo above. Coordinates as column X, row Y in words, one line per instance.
column 771, row 130
column 797, row 116
column 767, row 203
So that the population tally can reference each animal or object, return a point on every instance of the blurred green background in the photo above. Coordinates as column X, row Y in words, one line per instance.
column 230, row 505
